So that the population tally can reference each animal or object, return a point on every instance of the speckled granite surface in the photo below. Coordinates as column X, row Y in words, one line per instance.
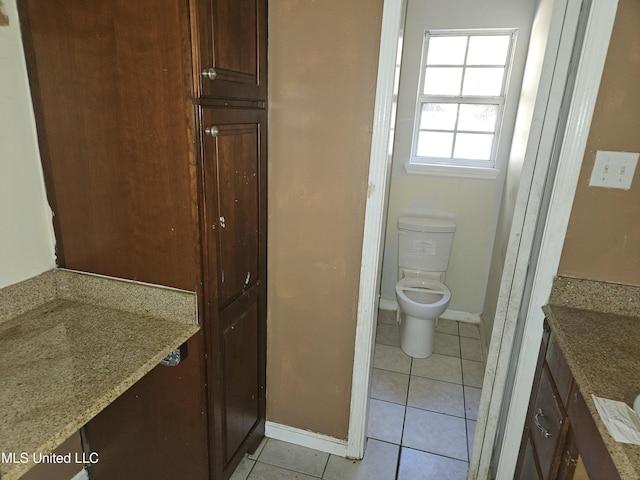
column 135, row 297
column 596, row 296
column 71, row 344
column 597, row 326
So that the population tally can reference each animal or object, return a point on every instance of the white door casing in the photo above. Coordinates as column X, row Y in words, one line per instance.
column 374, row 225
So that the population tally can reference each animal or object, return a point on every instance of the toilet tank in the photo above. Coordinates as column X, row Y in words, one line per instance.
column 424, row 244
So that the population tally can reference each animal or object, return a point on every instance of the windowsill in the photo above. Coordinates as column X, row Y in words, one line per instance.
column 452, row 171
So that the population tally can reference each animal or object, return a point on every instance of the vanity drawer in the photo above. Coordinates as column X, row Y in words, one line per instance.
column 547, row 426
column 562, row 376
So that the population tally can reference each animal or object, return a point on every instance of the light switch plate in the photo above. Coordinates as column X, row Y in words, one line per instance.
column 613, row 169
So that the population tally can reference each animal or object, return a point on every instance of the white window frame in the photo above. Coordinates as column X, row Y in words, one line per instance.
column 454, row 166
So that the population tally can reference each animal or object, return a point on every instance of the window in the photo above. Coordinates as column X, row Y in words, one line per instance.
column 461, row 97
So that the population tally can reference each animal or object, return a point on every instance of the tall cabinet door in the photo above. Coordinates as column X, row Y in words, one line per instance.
column 232, row 49
column 234, row 220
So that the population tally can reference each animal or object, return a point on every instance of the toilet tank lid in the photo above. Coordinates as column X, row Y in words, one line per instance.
column 421, row 224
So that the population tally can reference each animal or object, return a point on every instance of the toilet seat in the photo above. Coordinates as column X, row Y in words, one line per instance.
column 423, row 285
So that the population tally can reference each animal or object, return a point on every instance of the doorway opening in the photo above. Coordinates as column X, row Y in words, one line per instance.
column 556, row 44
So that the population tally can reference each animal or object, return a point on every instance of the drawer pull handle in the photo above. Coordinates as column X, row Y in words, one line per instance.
column 209, row 73
column 536, row 419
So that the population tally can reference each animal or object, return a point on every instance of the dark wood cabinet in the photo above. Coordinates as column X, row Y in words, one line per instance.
column 231, row 60
column 594, row 459
column 234, row 150
column 148, row 183
column 548, row 429
column 529, row 468
column 233, row 145
column 560, row 440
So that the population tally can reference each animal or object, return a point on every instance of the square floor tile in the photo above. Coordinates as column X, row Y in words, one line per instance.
column 447, row 326
column 438, row 367
column 385, row 421
column 471, row 330
column 243, row 469
column 471, row 349
column 389, row 386
column 472, row 373
column 388, row 334
column 445, row 344
column 435, row 433
column 379, row 463
column 436, row 396
column 391, row 358
column 387, row 316
column 416, row 465
column 293, row 457
column 264, row 471
column 472, row 402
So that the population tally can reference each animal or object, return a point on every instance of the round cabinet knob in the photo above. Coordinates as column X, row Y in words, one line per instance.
column 211, row 131
column 210, row 73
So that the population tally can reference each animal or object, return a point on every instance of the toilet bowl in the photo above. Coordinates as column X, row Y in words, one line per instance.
column 420, row 301
column 424, row 247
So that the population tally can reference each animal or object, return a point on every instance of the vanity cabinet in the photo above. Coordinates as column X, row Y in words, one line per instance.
column 157, row 173
column 560, row 439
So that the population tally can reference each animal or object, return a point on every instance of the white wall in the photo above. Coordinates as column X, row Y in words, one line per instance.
column 26, row 231
column 474, row 202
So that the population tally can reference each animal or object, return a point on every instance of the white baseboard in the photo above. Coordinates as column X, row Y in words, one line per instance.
column 460, row 316
column 455, row 315
column 305, row 438
column 388, row 305
column 81, row 475
column 484, row 343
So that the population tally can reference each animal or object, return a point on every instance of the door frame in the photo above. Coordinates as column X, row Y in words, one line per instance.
column 588, row 77
column 374, row 224
column 552, row 231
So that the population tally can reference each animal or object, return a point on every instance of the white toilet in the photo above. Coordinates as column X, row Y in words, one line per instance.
column 424, row 247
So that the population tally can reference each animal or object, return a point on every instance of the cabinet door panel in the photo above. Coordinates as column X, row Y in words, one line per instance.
column 238, row 160
column 241, row 379
column 232, row 42
column 235, row 197
column 570, row 458
column 234, row 232
column 589, row 442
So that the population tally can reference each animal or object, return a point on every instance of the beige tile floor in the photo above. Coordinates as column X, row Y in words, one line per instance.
column 422, row 416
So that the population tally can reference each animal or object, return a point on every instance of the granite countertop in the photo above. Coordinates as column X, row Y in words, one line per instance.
column 71, row 344
column 597, row 326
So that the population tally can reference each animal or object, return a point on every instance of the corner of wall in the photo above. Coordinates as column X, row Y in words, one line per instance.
column 28, row 247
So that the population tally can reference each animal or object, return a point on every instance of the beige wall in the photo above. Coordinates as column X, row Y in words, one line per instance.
column 322, row 72
column 603, row 237
column 26, row 230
